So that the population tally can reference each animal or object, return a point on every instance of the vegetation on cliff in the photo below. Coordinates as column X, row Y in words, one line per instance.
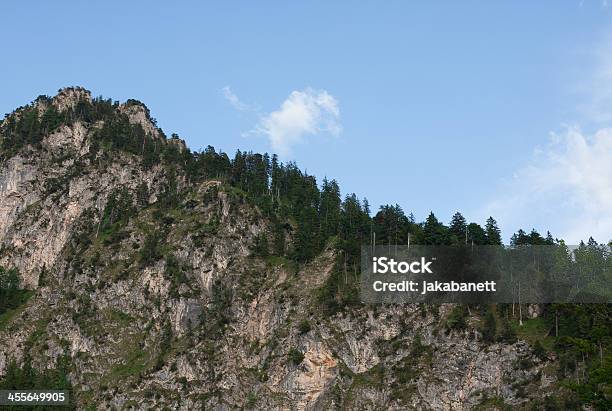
column 306, row 218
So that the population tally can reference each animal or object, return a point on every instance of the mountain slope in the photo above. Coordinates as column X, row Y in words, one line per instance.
column 155, row 285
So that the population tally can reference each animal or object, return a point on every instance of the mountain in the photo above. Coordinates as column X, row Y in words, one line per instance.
column 145, row 275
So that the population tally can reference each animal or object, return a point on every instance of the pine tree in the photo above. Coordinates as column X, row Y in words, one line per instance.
column 260, row 245
column 535, row 238
column 307, row 243
column 434, row 232
column 519, row 238
column 476, row 234
column 279, row 239
column 489, row 328
column 12, row 378
column 329, row 210
column 507, row 333
column 391, row 225
column 457, row 228
column 493, row 232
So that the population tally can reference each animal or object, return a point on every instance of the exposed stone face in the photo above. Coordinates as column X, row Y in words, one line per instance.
column 68, row 140
column 217, row 331
column 68, row 97
column 139, row 115
column 43, row 196
column 17, row 190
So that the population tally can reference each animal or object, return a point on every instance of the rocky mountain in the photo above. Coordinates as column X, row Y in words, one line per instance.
column 152, row 285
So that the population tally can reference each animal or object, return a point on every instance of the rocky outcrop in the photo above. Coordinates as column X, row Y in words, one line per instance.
column 198, row 321
column 43, row 197
column 69, row 97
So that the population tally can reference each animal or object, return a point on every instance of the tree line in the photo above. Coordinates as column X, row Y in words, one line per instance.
column 315, row 216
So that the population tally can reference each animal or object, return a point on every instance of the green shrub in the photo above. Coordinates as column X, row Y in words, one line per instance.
column 251, row 400
column 539, row 350
column 260, row 245
column 304, row 327
column 507, row 334
column 456, row 319
column 11, row 296
column 150, row 250
column 295, row 356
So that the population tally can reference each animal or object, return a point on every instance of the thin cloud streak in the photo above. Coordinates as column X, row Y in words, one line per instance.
column 233, row 99
column 568, row 182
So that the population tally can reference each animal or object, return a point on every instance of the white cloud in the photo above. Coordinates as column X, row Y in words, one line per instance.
column 303, row 113
column 233, row 99
column 566, row 186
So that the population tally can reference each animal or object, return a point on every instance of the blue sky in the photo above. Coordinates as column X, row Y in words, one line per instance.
column 434, row 106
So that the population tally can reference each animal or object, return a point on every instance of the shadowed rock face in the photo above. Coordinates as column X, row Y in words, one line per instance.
column 203, row 323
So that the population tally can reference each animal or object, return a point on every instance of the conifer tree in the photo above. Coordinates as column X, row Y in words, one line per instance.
column 493, row 232
column 519, row 238
column 476, row 234
column 329, row 210
column 457, row 228
column 490, row 327
column 391, row 225
column 434, row 232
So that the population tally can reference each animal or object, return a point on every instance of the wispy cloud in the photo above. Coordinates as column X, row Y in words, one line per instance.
column 567, row 183
column 304, row 113
column 233, row 99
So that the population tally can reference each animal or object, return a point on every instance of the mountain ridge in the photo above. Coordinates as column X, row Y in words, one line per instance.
column 165, row 278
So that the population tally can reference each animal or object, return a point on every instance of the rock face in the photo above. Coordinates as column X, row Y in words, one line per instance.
column 43, row 196
column 69, row 97
column 169, row 308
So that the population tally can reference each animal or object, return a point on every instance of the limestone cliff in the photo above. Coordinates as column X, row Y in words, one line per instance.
column 169, row 307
